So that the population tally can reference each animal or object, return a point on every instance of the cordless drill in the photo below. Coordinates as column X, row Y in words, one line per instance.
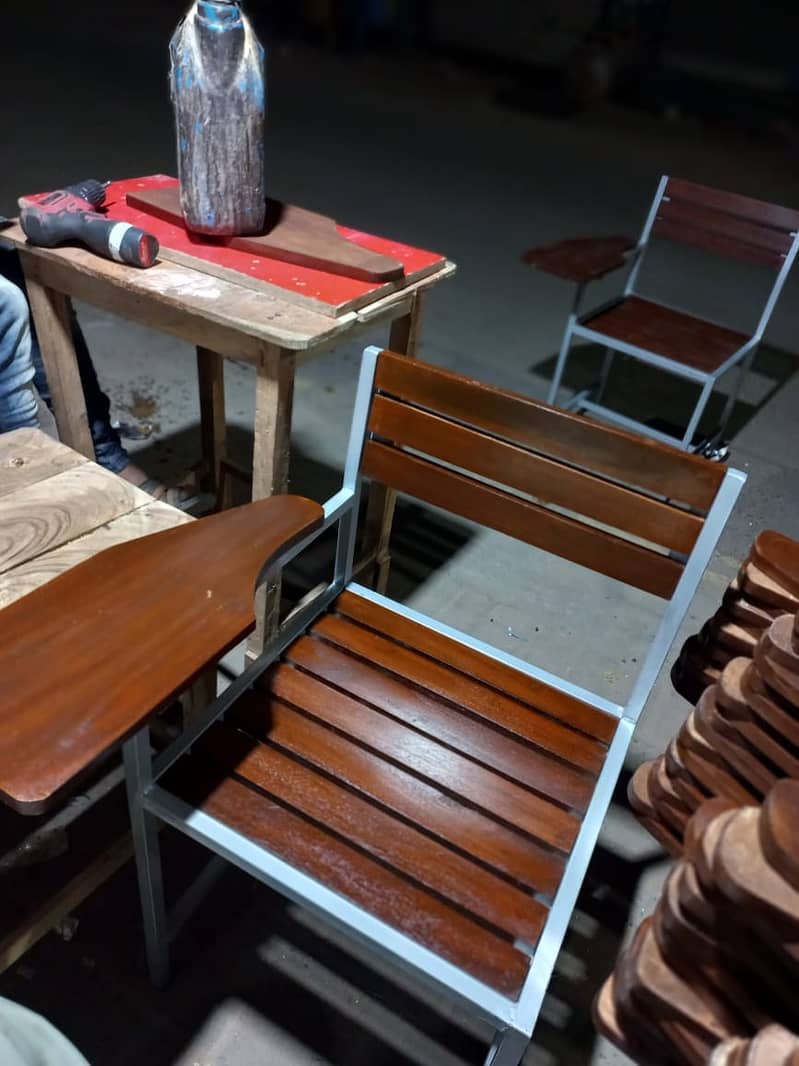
column 71, row 214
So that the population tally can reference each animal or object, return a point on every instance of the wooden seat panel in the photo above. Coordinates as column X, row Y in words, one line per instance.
column 694, row 342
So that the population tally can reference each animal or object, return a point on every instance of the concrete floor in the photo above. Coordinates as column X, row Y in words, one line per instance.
column 420, row 153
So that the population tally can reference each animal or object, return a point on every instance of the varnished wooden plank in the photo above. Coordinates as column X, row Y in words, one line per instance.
column 387, row 839
column 630, row 459
column 775, row 242
column 527, row 689
column 429, row 758
column 464, row 692
column 475, row 833
column 50, row 513
column 151, row 518
column 547, row 480
column 594, row 548
column 714, row 242
column 124, row 633
column 747, row 207
column 28, row 456
column 444, row 930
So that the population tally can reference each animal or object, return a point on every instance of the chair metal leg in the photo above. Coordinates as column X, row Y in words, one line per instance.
column 729, row 407
column 699, row 410
column 560, row 366
column 144, row 827
column 606, row 368
column 508, row 1048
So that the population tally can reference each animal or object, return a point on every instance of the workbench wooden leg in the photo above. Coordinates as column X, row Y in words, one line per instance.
column 274, row 399
column 211, row 381
column 403, row 339
column 52, row 316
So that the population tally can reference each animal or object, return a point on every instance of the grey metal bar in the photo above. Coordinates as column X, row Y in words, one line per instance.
column 557, row 923
column 138, row 771
column 195, row 894
column 563, row 355
column 559, row 683
column 699, row 410
column 339, row 911
column 508, row 1048
column 678, row 369
column 643, row 243
column 732, row 399
column 726, row 497
column 607, row 364
column 782, row 277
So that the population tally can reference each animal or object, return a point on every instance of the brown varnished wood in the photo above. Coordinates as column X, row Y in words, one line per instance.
column 396, row 789
column 734, row 708
column 759, row 212
column 760, row 587
column 745, row 610
column 466, row 693
column 727, row 740
column 437, row 719
column 779, row 830
column 734, row 636
column 583, row 259
column 641, row 802
column 608, row 1024
column 667, row 332
column 123, row 634
column 624, row 457
column 473, row 663
column 594, row 548
column 325, row 857
column 710, row 767
column 769, row 706
column 544, row 479
column 701, row 819
column 775, row 244
column 405, row 849
column 292, row 234
column 690, row 791
column 666, row 802
column 678, row 229
column 427, row 757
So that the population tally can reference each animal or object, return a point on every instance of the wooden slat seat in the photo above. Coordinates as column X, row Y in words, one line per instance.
column 665, row 331
column 436, row 787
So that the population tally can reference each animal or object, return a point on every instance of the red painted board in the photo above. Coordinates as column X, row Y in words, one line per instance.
column 315, row 285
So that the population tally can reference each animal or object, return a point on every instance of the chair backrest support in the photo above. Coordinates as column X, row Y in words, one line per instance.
column 725, row 224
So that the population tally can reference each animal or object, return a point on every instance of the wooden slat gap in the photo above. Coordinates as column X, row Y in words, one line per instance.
column 463, row 800
column 370, row 856
column 723, row 214
column 541, row 452
column 485, row 722
column 474, row 678
column 717, row 227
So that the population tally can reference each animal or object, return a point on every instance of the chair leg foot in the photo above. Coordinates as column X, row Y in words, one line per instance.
column 508, row 1048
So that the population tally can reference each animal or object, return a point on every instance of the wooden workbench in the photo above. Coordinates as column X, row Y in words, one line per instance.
column 58, row 509
column 223, row 320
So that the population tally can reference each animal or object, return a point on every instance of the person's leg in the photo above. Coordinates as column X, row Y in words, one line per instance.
column 18, row 404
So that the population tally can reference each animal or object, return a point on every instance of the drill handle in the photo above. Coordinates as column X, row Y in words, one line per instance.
column 114, row 240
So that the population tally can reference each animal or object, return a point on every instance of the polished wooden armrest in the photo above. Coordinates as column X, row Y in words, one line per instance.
column 86, row 659
column 582, row 260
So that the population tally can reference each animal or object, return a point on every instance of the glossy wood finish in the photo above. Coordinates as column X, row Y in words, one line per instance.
column 665, row 331
column 143, row 622
column 571, row 439
column 440, row 789
column 758, row 212
column 582, row 260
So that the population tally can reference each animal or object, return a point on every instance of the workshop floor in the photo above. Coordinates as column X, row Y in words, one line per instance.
column 423, row 155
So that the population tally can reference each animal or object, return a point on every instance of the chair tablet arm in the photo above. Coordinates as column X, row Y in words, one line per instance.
column 582, row 260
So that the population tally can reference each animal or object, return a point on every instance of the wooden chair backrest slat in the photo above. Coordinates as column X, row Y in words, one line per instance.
column 553, row 532
column 726, row 224
column 634, row 461
column 535, row 475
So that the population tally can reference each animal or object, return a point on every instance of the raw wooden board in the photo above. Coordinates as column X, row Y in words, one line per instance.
column 291, row 235
column 315, row 290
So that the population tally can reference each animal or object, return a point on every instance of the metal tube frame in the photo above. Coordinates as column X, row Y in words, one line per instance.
column 742, row 358
column 150, row 803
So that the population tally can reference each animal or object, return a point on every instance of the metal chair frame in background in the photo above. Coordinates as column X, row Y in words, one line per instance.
column 733, row 226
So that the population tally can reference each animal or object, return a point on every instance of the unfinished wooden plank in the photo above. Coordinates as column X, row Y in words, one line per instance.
column 625, row 457
column 51, row 312
column 151, row 518
column 28, row 456
column 527, row 689
column 447, row 932
column 50, row 513
column 583, row 544
column 547, row 480
column 473, row 832
column 211, row 384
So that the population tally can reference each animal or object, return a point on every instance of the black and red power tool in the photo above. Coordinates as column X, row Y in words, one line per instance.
column 71, row 214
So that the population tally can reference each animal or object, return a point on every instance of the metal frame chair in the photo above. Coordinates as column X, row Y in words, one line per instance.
column 400, row 412
column 695, row 349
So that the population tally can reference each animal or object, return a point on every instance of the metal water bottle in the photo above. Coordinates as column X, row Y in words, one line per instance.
column 218, row 94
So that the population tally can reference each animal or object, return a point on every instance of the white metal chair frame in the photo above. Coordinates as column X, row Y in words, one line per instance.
column 151, row 803
column 590, row 399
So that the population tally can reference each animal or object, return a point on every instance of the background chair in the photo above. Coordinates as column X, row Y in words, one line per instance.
column 693, row 348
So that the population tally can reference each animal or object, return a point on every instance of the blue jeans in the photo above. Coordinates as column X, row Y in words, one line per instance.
column 108, row 448
column 18, row 406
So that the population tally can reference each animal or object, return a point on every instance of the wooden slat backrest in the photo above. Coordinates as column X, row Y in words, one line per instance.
column 725, row 223
column 572, row 487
